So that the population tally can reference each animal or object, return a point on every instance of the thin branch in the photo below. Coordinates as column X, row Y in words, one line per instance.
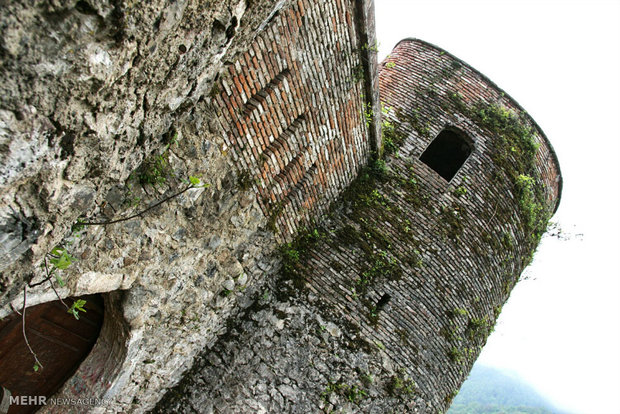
column 47, row 273
column 52, row 283
column 41, row 282
column 15, row 310
column 24, row 331
column 105, row 223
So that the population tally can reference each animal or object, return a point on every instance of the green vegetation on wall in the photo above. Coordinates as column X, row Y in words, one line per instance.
column 514, row 154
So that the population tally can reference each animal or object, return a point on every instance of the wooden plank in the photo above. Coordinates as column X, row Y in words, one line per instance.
column 60, row 341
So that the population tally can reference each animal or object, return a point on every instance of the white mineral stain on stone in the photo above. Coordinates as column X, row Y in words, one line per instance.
column 175, row 102
column 100, row 57
column 228, row 284
column 24, row 143
column 51, row 68
column 95, row 282
column 279, row 324
column 100, row 63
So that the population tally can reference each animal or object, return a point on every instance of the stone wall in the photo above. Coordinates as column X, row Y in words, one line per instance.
column 109, row 107
column 387, row 304
column 89, row 92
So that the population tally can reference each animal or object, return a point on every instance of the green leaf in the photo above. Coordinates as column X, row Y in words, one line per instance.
column 79, row 305
column 60, row 281
column 76, row 307
column 57, row 251
column 36, row 367
column 63, row 259
column 60, row 263
column 195, row 181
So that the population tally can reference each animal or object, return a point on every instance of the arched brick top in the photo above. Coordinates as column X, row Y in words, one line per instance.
column 421, row 76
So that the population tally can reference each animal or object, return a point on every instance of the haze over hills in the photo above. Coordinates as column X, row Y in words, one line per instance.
column 491, row 391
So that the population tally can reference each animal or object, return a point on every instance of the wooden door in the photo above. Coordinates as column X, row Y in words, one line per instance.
column 60, row 341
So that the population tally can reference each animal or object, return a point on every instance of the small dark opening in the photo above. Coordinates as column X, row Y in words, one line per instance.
column 447, row 153
column 230, row 30
column 384, row 300
column 85, row 8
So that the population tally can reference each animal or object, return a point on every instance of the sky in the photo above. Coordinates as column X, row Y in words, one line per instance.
column 560, row 329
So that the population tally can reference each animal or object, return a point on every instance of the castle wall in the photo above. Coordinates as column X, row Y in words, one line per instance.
column 109, row 108
column 386, row 306
column 293, row 108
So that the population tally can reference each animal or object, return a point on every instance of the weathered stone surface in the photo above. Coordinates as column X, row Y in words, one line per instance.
column 283, row 356
column 89, row 91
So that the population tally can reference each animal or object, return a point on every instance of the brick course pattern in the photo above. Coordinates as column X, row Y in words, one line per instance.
column 446, row 253
column 383, row 308
column 293, row 108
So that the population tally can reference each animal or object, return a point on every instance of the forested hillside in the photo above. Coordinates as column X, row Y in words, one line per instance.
column 491, row 391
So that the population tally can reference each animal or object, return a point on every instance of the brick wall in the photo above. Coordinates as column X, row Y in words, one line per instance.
column 297, row 80
column 292, row 105
column 446, row 253
column 424, row 74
